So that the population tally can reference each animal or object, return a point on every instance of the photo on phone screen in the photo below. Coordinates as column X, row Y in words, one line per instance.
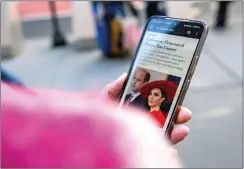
column 160, row 67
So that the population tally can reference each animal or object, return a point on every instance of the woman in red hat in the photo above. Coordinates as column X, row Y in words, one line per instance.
column 157, row 93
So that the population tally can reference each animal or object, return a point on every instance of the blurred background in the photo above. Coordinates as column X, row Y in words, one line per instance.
column 68, row 45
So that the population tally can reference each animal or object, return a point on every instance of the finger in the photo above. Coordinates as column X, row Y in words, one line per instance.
column 113, row 89
column 179, row 133
column 183, row 116
column 118, row 84
column 173, row 150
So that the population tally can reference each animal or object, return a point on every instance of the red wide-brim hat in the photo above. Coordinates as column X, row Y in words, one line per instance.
column 169, row 87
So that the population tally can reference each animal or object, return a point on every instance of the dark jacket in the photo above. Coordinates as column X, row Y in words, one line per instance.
column 138, row 102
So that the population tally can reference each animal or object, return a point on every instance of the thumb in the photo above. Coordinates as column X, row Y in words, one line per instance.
column 112, row 90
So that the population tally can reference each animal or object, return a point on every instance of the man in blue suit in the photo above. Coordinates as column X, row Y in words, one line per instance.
column 141, row 77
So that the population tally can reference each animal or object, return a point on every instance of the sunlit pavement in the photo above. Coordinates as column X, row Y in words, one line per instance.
column 214, row 95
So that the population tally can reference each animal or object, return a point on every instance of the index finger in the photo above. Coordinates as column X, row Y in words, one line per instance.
column 113, row 89
column 183, row 116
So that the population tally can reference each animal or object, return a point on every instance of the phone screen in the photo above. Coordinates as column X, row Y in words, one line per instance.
column 161, row 64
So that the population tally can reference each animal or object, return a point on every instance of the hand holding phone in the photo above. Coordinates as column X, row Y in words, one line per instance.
column 163, row 66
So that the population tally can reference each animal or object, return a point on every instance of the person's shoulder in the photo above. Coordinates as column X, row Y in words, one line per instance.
column 139, row 97
column 160, row 111
column 163, row 113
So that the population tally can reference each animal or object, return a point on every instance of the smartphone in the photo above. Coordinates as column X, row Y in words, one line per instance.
column 162, row 68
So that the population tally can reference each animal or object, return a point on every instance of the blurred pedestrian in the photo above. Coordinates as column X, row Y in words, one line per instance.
column 152, row 8
column 156, row 8
column 222, row 14
column 61, row 129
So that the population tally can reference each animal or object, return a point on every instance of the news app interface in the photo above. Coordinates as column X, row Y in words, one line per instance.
column 160, row 68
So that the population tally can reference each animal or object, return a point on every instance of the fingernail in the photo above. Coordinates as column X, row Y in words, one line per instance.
column 187, row 110
column 122, row 76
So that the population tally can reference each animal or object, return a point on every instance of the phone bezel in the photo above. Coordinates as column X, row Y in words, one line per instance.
column 190, row 71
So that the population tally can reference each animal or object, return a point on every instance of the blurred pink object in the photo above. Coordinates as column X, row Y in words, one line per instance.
column 138, row 4
column 132, row 35
column 42, row 129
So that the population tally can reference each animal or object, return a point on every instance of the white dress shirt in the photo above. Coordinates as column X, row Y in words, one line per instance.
column 134, row 96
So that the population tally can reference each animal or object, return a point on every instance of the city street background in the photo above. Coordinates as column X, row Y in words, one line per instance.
column 214, row 96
